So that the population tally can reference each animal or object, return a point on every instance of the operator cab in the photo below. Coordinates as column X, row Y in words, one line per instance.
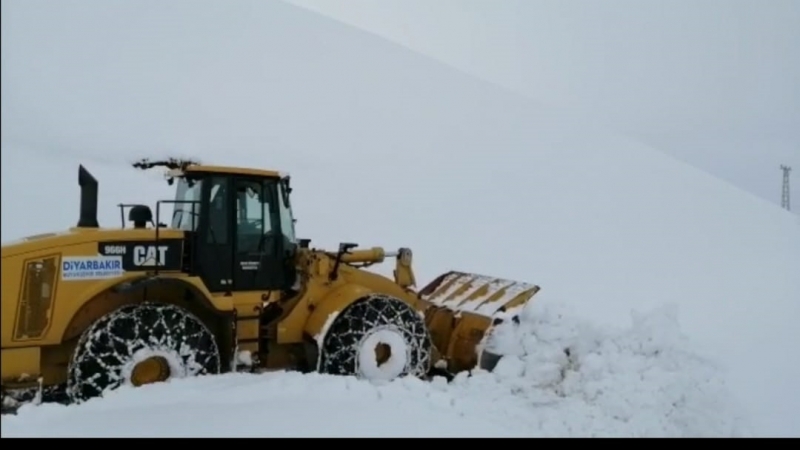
column 239, row 225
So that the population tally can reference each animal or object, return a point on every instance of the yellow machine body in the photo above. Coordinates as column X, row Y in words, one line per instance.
column 57, row 286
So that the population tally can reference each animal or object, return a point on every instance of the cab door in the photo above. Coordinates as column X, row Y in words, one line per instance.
column 214, row 243
column 256, row 263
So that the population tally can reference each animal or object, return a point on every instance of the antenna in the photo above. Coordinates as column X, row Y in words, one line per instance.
column 169, row 163
column 785, row 203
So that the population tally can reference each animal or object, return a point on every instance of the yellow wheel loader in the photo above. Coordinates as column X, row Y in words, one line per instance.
column 225, row 286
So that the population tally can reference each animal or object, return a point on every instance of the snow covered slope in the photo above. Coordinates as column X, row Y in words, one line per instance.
column 390, row 148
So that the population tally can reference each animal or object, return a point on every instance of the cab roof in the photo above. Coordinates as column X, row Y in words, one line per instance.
column 235, row 171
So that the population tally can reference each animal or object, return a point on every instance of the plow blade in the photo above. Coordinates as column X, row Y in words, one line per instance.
column 460, row 309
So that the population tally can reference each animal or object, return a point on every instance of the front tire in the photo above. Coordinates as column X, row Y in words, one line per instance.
column 378, row 338
column 140, row 344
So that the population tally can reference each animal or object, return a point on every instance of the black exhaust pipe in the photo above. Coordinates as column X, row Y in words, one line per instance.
column 88, row 185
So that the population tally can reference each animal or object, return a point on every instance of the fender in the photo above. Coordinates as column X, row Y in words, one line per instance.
column 120, row 287
column 88, row 296
column 333, row 303
column 214, row 303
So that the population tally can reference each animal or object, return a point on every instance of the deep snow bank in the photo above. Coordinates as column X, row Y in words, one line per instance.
column 561, row 377
column 644, row 380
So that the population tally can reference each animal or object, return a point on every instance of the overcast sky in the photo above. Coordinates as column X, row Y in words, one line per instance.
column 713, row 82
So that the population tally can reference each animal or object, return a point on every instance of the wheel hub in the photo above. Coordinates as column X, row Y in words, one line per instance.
column 382, row 353
column 151, row 370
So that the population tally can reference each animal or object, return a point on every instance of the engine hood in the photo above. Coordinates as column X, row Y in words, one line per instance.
column 78, row 236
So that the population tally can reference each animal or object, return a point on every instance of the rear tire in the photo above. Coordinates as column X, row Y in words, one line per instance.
column 378, row 338
column 108, row 350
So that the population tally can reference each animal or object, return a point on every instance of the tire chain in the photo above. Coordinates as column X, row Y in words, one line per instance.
column 340, row 345
column 109, row 343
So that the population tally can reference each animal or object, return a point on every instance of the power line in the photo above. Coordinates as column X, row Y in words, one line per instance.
column 785, row 194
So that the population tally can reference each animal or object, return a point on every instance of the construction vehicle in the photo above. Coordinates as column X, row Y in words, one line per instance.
column 226, row 286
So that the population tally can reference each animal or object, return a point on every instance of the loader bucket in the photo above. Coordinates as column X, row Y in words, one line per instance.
column 460, row 309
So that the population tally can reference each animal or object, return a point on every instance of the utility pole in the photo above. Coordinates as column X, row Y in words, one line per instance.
column 785, row 195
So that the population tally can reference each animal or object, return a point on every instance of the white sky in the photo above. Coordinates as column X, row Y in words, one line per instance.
column 715, row 83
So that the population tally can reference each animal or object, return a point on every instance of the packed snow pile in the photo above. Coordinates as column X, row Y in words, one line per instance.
column 559, row 377
column 581, row 379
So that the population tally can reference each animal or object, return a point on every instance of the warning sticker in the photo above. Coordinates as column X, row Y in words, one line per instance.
column 91, row 267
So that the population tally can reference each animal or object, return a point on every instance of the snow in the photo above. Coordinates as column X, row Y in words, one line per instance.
column 320, row 337
column 368, row 365
column 244, row 358
column 638, row 381
column 390, row 148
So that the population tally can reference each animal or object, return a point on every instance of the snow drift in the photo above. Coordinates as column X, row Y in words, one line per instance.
column 560, row 377
column 643, row 380
column 390, row 148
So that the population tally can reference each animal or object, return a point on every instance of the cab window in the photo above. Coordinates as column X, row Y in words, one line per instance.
column 218, row 211
column 256, row 215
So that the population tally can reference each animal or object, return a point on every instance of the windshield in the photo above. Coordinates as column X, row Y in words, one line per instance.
column 186, row 216
column 252, row 207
